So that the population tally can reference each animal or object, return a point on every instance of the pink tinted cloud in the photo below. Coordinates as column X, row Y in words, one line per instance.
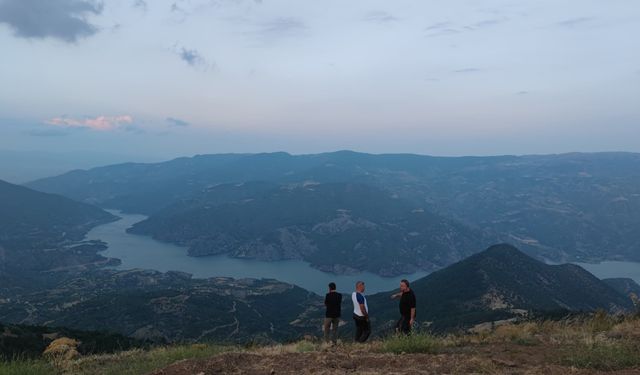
column 100, row 123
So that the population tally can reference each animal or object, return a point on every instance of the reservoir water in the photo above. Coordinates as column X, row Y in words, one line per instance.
column 610, row 269
column 137, row 251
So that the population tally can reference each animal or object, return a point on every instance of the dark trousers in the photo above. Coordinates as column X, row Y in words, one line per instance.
column 403, row 325
column 363, row 328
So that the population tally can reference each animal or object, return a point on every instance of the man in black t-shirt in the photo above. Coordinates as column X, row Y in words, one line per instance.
column 407, row 308
column 333, row 302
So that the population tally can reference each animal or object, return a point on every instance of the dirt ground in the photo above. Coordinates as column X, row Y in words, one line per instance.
column 482, row 359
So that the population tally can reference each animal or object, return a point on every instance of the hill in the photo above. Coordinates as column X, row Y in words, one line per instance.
column 596, row 344
column 31, row 219
column 568, row 207
column 502, row 283
column 26, row 341
column 337, row 227
column 41, row 231
column 625, row 286
column 164, row 307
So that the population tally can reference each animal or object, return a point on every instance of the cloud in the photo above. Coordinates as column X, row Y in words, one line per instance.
column 176, row 122
column 62, row 19
column 380, row 17
column 440, row 29
column 100, row 123
column 140, row 4
column 281, row 27
column 573, row 22
column 193, row 58
column 486, row 23
column 438, row 26
column 448, row 28
column 467, row 70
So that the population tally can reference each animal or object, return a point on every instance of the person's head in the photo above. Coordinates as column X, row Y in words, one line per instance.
column 359, row 286
column 404, row 285
column 332, row 286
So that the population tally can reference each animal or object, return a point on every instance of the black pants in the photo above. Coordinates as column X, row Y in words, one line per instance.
column 363, row 328
column 403, row 325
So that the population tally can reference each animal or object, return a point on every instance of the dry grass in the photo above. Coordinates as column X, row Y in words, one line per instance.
column 598, row 343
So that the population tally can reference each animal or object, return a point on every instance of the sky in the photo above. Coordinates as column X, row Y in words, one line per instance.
column 160, row 79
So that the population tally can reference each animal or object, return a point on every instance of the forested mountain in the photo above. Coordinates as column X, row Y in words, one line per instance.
column 500, row 283
column 30, row 218
column 337, row 227
column 582, row 207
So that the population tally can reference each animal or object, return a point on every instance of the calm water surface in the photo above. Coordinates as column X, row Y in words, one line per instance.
column 137, row 251
column 611, row 269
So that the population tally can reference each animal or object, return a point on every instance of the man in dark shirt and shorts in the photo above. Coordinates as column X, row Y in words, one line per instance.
column 407, row 308
column 333, row 302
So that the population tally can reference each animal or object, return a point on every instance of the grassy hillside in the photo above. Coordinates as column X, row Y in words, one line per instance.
column 580, row 345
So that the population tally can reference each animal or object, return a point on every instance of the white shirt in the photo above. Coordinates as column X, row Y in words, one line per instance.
column 356, row 305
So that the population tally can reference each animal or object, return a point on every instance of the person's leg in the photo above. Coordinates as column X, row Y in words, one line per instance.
column 399, row 324
column 334, row 330
column 366, row 330
column 325, row 328
column 358, row 332
column 406, row 327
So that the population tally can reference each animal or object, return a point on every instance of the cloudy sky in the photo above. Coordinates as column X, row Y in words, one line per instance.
column 181, row 77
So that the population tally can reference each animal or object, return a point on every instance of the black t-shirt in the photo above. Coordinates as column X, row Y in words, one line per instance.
column 333, row 302
column 407, row 302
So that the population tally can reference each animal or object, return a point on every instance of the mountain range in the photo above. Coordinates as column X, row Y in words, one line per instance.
column 567, row 207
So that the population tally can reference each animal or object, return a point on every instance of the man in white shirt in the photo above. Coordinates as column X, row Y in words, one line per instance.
column 361, row 313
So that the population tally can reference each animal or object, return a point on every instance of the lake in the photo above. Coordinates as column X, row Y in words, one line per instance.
column 137, row 251
column 610, row 269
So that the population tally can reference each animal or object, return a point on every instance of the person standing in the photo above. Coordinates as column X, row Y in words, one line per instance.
column 361, row 313
column 333, row 303
column 407, row 308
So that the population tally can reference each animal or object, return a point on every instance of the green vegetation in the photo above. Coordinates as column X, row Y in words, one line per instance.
column 26, row 367
column 578, row 342
column 131, row 362
column 602, row 356
column 33, row 220
column 414, row 343
column 140, row 361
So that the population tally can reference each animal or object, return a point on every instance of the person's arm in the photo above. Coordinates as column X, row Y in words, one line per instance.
column 413, row 309
column 363, row 309
column 396, row 295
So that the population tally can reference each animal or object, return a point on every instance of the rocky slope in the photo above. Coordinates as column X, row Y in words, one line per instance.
column 336, row 227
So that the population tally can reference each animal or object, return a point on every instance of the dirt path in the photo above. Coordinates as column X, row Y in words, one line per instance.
column 485, row 359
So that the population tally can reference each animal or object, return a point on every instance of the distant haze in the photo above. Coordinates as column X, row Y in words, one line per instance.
column 159, row 79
